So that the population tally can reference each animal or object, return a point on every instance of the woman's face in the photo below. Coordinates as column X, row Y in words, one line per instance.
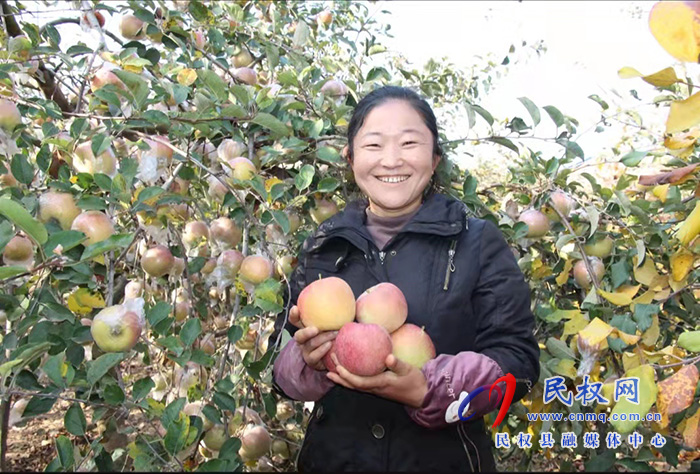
column 393, row 158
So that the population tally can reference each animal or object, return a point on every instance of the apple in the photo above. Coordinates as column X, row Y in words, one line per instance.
column 537, row 222
column 601, row 248
column 215, row 437
column 411, row 344
column 324, row 18
column 323, row 209
column 10, row 117
column 230, row 262
column 196, row 233
column 563, row 203
column 327, row 304
column 363, row 348
column 21, row 45
column 182, row 310
column 96, row 225
column 208, row 344
column 256, row 269
column 383, row 304
column 334, row 88
column 157, row 261
column 294, row 221
column 132, row 27
column 195, row 409
column 178, row 267
column 217, row 190
column 186, row 377
column 581, row 272
column 200, row 41
column 18, row 251
column 104, row 76
column 59, row 206
column 242, row 59
column 280, row 448
column 241, row 168
column 118, row 328
column 236, row 422
column 285, row 410
column 209, row 266
column 133, row 289
column 84, row 160
column 285, row 265
column 225, row 232
column 159, row 148
column 255, row 442
column 246, row 75
column 8, row 181
column 229, row 149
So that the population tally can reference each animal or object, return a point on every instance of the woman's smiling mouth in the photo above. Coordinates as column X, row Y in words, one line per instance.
column 393, row 179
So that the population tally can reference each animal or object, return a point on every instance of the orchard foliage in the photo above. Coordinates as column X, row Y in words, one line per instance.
column 166, row 176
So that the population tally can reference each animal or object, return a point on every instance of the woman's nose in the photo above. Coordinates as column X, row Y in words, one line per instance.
column 392, row 156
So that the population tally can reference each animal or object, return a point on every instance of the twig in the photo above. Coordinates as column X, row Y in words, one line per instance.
column 53, row 262
column 5, row 409
column 683, row 362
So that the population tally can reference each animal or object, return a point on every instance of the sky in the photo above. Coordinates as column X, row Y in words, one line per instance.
column 587, row 43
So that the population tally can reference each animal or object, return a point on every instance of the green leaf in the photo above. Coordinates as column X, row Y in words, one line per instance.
column 100, row 366
column 282, row 219
column 559, row 349
column 288, row 78
column 595, row 97
column 38, row 406
column 233, row 110
column 234, row 334
column 273, row 55
column 224, row 401
column 138, row 87
column 142, row 388
column 24, row 220
column 643, row 314
column 470, row 185
column 635, row 466
column 483, row 112
column 54, row 367
column 64, row 447
column 156, row 117
column 172, row 412
column 75, row 421
column 272, row 123
column 301, row 34
column 531, row 109
column 100, row 143
column 158, row 312
column 329, row 155
column 506, row 143
column 67, row 239
column 114, row 242
column 214, row 83
column 10, row 271
column 633, row 158
column 113, row 394
column 21, row 169
column 176, row 436
column 190, row 331
column 305, row 177
column 619, row 273
column 215, row 465
column 149, row 193
column 556, row 116
column 327, row 185
column 690, row 341
column 601, row 462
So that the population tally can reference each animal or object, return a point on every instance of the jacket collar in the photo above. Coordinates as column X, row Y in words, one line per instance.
column 438, row 215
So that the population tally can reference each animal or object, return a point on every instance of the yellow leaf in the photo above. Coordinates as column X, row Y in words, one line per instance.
column 651, row 335
column 691, row 432
column 575, row 324
column 566, row 368
column 645, row 298
column 186, row 77
column 676, row 392
column 83, row 301
column 663, row 78
column 647, row 392
column 596, row 332
column 690, row 227
column 271, row 182
column 622, row 296
column 675, row 26
column 646, row 273
column 540, row 269
column 681, row 141
column 662, row 295
column 630, row 360
column 629, row 339
column 681, row 264
column 564, row 275
column 608, row 392
column 683, row 114
column 661, row 191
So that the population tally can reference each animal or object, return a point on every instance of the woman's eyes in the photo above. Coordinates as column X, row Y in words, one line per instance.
column 377, row 145
column 410, row 142
column 372, row 145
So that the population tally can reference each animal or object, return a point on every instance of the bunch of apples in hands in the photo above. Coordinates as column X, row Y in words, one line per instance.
column 360, row 333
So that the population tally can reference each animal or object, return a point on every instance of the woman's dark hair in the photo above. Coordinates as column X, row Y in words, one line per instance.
column 384, row 94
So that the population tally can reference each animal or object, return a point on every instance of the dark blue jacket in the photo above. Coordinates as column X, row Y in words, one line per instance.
column 462, row 282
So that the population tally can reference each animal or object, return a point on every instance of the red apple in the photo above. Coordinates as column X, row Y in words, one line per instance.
column 96, row 225
column 157, row 261
column 196, row 232
column 10, row 117
column 104, row 76
column 256, row 269
column 225, row 232
column 383, row 304
column 363, row 348
column 581, row 274
column 328, row 304
column 537, row 222
column 411, row 344
column 246, row 75
column 132, row 27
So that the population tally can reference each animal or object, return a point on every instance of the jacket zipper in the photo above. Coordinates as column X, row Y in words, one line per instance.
column 450, row 264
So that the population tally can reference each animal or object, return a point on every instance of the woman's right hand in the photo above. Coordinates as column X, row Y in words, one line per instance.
column 314, row 344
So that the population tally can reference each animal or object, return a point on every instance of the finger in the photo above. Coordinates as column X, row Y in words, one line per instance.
column 303, row 335
column 397, row 366
column 359, row 381
column 295, row 317
column 339, row 380
column 316, row 355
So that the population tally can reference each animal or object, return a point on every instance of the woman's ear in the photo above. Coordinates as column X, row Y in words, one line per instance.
column 345, row 153
column 436, row 161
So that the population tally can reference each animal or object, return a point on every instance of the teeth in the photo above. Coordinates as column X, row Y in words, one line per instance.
column 392, row 179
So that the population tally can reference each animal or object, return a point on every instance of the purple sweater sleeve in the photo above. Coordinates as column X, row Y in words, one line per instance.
column 450, row 378
column 294, row 376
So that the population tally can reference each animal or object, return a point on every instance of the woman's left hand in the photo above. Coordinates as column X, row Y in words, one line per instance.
column 403, row 382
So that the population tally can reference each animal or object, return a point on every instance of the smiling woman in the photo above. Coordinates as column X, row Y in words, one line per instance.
column 461, row 283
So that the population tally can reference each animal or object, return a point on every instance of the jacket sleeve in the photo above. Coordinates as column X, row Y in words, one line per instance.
column 292, row 377
column 504, row 342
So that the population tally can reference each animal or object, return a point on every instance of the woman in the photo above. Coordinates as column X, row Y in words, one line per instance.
column 461, row 282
